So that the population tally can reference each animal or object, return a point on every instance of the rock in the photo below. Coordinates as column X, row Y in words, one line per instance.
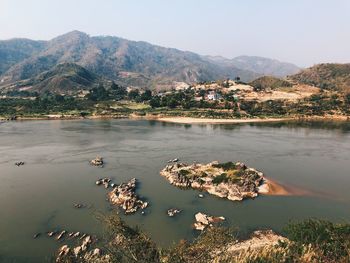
column 98, row 182
column 173, row 160
column 78, row 206
column 105, row 181
column 62, row 252
column 37, row 235
column 96, row 252
column 77, row 250
column 173, row 211
column 203, row 221
column 202, row 218
column 98, row 161
column 60, row 235
column 87, row 240
column 51, row 234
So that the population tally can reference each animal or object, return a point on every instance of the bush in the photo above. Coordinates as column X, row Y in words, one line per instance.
column 226, row 166
column 333, row 240
column 222, row 178
column 184, row 172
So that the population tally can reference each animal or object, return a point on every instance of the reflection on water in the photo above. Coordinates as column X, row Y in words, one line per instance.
column 39, row 196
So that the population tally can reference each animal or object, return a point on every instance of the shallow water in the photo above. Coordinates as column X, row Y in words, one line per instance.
column 39, row 196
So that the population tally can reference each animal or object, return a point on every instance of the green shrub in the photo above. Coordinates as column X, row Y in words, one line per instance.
column 332, row 239
column 226, row 166
column 220, row 179
column 184, row 172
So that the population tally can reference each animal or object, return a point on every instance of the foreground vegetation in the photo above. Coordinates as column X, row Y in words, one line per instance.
column 307, row 241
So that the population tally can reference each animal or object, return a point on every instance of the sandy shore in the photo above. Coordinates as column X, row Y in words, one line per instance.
column 182, row 120
column 271, row 187
column 188, row 120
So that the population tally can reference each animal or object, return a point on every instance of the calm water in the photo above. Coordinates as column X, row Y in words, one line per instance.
column 39, row 196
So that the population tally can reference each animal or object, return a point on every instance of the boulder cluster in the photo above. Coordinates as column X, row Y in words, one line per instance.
column 203, row 221
column 124, row 196
column 81, row 252
column 98, row 161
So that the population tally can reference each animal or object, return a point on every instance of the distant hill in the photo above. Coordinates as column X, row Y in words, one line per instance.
column 326, row 76
column 126, row 62
column 260, row 65
column 16, row 50
column 268, row 82
column 66, row 78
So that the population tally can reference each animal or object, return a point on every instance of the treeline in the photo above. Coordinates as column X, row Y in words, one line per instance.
column 117, row 92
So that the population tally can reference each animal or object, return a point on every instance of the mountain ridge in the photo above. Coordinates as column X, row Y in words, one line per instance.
column 328, row 76
column 114, row 58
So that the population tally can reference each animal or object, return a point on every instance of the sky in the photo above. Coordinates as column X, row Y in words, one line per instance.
column 303, row 32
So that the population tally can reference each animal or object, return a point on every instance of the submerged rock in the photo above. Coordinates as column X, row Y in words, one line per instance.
column 36, row 235
column 125, row 197
column 173, row 211
column 78, row 205
column 233, row 181
column 51, row 234
column 173, row 160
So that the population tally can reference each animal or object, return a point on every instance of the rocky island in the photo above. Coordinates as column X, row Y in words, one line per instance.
column 233, row 181
column 125, row 197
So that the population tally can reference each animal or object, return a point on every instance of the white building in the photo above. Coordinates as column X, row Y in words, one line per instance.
column 214, row 96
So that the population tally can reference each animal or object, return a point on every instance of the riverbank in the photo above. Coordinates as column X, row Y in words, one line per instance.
column 181, row 119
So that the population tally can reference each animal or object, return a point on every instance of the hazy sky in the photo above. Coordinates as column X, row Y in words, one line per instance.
column 304, row 32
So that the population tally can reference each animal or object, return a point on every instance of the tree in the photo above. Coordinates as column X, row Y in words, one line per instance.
column 133, row 94
column 147, row 95
column 172, row 103
column 347, row 98
column 98, row 94
column 155, row 102
column 118, row 92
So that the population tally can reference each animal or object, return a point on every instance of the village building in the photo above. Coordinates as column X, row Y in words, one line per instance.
column 213, row 95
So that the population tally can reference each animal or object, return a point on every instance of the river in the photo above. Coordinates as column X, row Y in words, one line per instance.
column 39, row 196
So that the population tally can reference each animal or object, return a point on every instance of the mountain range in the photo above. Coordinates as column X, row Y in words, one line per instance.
column 78, row 60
